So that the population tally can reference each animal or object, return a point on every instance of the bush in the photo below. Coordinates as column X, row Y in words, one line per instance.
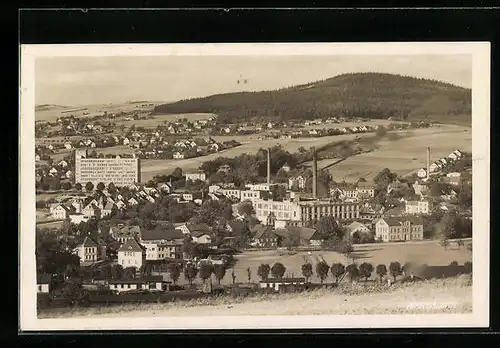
column 468, row 267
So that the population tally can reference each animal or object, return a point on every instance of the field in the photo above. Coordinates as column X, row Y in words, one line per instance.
column 397, row 154
column 424, row 252
column 452, row 295
column 51, row 112
column 405, row 155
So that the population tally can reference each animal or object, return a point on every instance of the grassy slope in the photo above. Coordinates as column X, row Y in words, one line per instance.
column 453, row 295
column 372, row 95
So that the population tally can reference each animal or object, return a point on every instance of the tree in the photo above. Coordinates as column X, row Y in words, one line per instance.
column 322, row 269
column 381, row 271
column 449, row 225
column 365, row 270
column 78, row 186
column 383, row 179
column 174, row 271
column 190, row 272
column 89, row 187
column 395, row 269
column 345, row 248
column 116, row 272
column 177, row 173
column 278, row 270
column 307, row 271
column 465, row 196
column 249, row 274
column 291, row 241
column 468, row 267
column 129, row 273
column 263, row 271
column 73, row 292
column 353, row 271
column 337, row 270
column 330, row 230
column 112, row 188
column 219, row 272
column 66, row 185
column 100, row 187
column 381, row 131
column 233, row 276
column 460, row 243
column 246, row 208
column 445, row 243
column 435, row 190
column 205, row 271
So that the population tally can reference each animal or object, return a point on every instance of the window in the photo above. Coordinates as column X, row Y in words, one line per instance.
column 128, row 286
column 121, row 286
column 39, row 288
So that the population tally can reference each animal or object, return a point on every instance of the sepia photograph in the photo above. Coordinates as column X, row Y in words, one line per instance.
column 254, row 186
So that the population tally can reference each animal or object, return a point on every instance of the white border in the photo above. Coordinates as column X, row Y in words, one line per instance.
column 480, row 52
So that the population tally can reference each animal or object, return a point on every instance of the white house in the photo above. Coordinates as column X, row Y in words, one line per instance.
column 422, row 173
column 196, row 176
column 178, row 155
column 60, row 212
column 90, row 251
column 150, row 283
column 130, row 254
column 417, row 207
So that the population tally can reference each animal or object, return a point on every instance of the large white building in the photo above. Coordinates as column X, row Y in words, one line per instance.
column 120, row 171
column 196, row 176
column 130, row 254
column 418, row 207
column 282, row 210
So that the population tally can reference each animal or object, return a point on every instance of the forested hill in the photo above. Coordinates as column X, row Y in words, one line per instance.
column 370, row 95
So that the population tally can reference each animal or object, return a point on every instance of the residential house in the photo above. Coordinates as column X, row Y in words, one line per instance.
column 286, row 167
column 365, row 189
column 149, row 283
column 420, row 188
column 132, row 201
column 123, row 233
column 418, row 207
column 61, row 212
column 226, row 168
column 422, row 173
column 399, row 229
column 164, row 187
column 202, row 176
column 92, row 210
column 53, row 171
column 68, row 146
column 201, row 237
column 131, row 254
column 90, row 251
column 37, row 157
column 178, row 155
column 43, row 282
column 299, row 181
column 358, row 227
column 454, row 178
column 162, row 243
column 453, row 156
column 108, row 208
column 434, row 167
column 264, row 237
column 62, row 164
column 198, row 229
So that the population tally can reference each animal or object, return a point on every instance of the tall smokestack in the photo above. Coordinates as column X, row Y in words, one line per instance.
column 428, row 162
column 268, row 166
column 315, row 175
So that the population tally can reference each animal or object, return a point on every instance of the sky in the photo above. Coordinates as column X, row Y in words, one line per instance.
column 73, row 81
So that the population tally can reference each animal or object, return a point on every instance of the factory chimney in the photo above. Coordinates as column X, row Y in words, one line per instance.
column 428, row 162
column 268, row 166
column 315, row 175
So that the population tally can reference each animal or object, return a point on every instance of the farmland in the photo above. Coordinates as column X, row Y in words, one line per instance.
column 404, row 155
column 396, row 154
column 455, row 295
column 428, row 252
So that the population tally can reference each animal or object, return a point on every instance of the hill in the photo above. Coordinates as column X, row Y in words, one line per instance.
column 365, row 95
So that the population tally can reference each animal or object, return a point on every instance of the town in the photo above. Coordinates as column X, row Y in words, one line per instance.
column 104, row 235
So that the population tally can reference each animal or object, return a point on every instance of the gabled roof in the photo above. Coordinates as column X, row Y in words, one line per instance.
column 130, row 245
column 89, row 243
column 260, row 231
column 393, row 221
column 305, row 233
column 161, row 233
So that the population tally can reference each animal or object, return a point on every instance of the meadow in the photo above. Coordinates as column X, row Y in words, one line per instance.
column 50, row 113
column 406, row 154
column 452, row 295
column 403, row 155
